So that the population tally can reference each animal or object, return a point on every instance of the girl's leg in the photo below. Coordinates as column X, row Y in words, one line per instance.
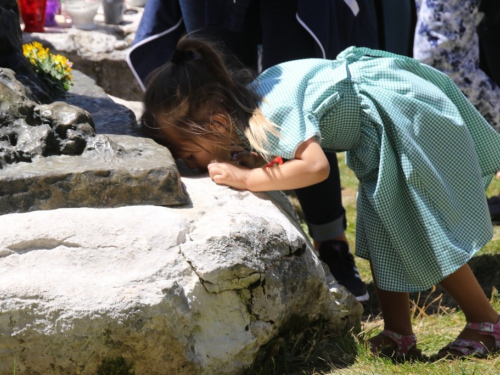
column 395, row 308
column 464, row 288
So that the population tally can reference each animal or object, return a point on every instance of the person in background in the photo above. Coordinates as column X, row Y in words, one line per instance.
column 260, row 34
column 489, row 40
column 446, row 37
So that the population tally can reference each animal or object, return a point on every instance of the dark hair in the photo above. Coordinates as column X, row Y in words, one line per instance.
column 194, row 86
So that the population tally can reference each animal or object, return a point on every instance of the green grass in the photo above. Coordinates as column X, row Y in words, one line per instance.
column 436, row 319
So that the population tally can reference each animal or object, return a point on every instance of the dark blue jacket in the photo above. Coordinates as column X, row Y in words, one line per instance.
column 334, row 25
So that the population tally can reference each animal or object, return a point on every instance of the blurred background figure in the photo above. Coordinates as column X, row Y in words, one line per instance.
column 462, row 39
column 446, row 38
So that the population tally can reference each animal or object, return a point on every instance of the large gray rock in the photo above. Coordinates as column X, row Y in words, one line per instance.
column 109, row 117
column 28, row 130
column 113, row 171
column 50, row 157
column 197, row 289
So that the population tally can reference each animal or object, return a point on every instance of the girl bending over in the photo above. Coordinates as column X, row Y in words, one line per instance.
column 422, row 153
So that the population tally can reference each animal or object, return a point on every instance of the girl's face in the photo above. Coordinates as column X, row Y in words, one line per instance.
column 198, row 152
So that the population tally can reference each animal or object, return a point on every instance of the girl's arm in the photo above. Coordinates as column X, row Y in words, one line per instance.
column 309, row 167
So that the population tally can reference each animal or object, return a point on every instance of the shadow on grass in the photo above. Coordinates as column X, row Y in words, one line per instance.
column 486, row 268
column 314, row 350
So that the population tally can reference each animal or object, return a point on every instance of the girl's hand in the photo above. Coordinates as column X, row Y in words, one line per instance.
column 229, row 174
column 309, row 167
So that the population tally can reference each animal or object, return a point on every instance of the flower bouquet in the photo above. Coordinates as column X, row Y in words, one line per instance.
column 54, row 70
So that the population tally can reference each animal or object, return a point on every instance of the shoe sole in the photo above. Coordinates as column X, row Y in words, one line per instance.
column 364, row 298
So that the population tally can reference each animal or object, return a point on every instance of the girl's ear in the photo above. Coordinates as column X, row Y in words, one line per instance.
column 220, row 124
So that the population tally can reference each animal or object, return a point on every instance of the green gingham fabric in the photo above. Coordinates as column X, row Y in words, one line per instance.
column 422, row 153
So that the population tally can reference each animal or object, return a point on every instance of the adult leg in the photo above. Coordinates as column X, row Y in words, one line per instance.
column 489, row 37
column 325, row 217
column 322, row 206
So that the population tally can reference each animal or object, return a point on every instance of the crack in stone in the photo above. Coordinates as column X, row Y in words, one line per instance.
column 193, row 268
column 205, row 282
column 40, row 244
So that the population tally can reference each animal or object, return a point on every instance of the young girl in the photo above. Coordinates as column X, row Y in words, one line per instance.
column 423, row 156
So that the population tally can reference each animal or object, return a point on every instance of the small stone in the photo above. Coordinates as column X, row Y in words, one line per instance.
column 121, row 45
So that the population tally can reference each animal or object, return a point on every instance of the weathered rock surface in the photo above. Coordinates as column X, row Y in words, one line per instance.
column 197, row 289
column 38, row 169
column 113, row 171
column 109, row 117
column 28, row 130
column 100, row 53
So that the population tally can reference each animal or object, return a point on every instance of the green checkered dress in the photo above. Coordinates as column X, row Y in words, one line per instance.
column 422, row 153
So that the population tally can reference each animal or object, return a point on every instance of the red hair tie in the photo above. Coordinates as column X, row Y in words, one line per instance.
column 278, row 160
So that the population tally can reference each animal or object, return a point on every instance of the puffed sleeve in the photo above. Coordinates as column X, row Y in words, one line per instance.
column 294, row 125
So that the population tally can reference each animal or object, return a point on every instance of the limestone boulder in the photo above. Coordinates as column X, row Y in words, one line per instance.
column 196, row 289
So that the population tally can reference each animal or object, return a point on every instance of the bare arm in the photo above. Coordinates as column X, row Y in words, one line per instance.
column 309, row 167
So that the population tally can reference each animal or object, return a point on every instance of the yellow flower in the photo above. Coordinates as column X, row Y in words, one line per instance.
column 36, row 49
column 56, row 69
column 63, row 62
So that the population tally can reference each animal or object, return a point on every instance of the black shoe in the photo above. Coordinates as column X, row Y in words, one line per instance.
column 494, row 206
column 339, row 259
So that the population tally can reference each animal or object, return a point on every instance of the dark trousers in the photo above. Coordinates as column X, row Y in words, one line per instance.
column 489, row 39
